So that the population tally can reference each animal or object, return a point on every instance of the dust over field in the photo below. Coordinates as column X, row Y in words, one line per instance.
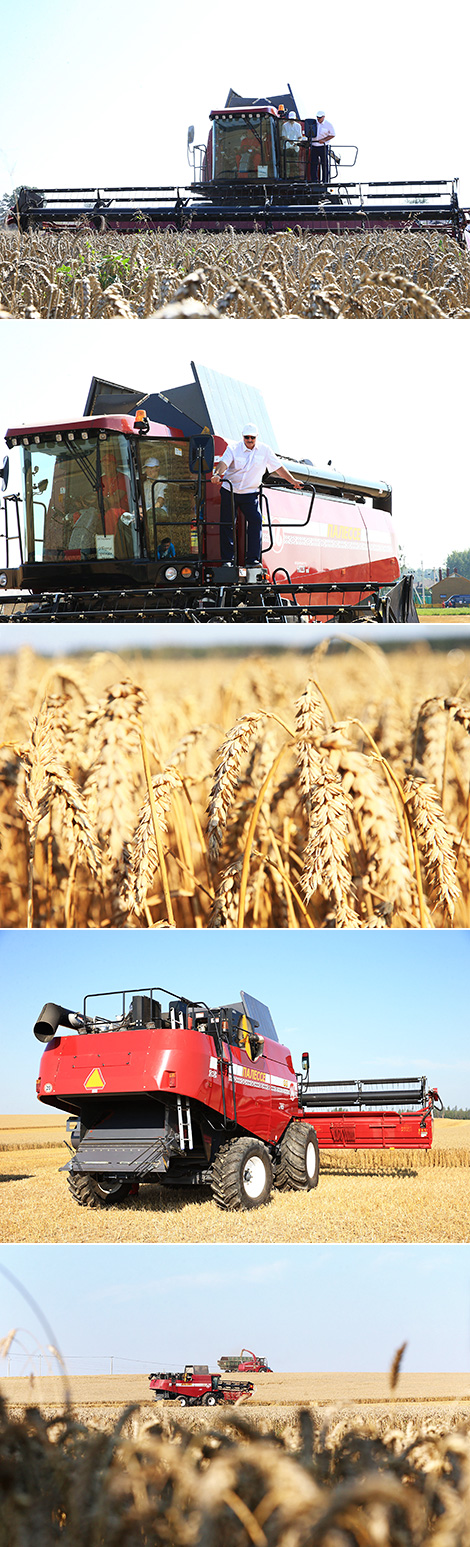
column 299, row 790
column 398, row 1478
column 376, row 1196
column 198, row 274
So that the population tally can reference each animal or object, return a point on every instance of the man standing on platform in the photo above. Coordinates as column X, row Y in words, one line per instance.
column 244, row 463
column 320, row 154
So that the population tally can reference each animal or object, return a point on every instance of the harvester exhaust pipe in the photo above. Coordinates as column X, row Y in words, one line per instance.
column 52, row 1016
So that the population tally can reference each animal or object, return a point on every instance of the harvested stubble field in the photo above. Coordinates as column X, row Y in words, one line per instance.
column 377, row 1196
column 297, row 1480
column 191, row 274
column 304, row 790
column 279, row 1393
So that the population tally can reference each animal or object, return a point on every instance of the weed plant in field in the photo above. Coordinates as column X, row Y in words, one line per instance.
column 193, row 1484
column 79, row 273
column 338, row 795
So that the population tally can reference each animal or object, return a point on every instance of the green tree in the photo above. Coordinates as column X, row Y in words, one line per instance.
column 460, row 562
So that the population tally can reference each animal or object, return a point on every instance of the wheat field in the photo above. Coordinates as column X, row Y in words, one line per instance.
column 193, row 274
column 305, row 789
column 385, row 1196
column 298, row 1479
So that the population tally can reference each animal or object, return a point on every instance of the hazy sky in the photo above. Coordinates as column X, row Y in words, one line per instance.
column 303, row 1307
column 387, row 402
column 68, row 638
column 362, row 1003
column 100, row 97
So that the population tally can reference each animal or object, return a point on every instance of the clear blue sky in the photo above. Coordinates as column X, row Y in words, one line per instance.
column 304, row 1307
column 99, row 96
column 363, row 1003
column 383, row 403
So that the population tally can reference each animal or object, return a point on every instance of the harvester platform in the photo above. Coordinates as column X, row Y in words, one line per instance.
column 269, row 205
column 286, row 602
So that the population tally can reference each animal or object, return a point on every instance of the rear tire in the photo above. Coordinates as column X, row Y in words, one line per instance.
column 299, row 1166
column 183, row 1401
column 242, row 1176
column 92, row 1194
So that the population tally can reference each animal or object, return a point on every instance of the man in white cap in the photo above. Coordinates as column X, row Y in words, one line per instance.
column 244, row 463
column 319, row 152
column 291, row 135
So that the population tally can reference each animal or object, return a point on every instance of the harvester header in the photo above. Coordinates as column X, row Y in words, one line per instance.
column 166, row 1089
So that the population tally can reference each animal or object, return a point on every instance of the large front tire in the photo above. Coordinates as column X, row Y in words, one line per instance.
column 92, row 1194
column 209, row 1400
column 299, row 1166
column 242, row 1176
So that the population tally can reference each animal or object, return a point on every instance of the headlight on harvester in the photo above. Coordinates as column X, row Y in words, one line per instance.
column 171, row 573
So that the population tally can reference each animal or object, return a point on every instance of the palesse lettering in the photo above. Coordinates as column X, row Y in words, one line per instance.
column 347, row 534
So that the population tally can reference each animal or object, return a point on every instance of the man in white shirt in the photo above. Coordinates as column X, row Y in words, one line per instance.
column 319, row 152
column 291, row 135
column 244, row 463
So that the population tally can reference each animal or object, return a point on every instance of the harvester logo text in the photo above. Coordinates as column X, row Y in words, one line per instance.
column 94, row 1080
column 346, row 534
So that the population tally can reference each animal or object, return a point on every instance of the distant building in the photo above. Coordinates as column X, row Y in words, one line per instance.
column 451, row 585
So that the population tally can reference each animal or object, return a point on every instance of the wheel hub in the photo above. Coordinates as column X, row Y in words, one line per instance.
column 254, row 1176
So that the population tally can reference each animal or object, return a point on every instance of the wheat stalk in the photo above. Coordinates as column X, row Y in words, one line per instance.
column 434, row 842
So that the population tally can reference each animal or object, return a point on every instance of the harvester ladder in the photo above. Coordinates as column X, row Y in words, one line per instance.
column 223, row 1037
column 185, row 1126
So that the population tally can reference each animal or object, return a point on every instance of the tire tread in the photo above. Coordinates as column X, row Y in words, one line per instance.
column 291, row 1172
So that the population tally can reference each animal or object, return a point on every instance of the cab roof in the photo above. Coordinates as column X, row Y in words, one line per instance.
column 120, row 424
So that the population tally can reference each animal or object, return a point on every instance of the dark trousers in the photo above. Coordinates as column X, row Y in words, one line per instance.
column 249, row 506
column 319, row 163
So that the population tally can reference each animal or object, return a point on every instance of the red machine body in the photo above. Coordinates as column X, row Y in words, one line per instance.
column 102, row 532
column 196, row 1096
column 197, row 1387
column 244, row 1363
column 150, row 1062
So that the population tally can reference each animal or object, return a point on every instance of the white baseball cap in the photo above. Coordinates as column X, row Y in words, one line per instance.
column 292, row 115
column 320, row 112
column 250, row 429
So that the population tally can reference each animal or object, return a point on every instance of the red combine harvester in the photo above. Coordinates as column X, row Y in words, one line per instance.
column 121, row 520
column 247, row 177
column 244, row 1363
column 196, row 1387
column 194, row 1096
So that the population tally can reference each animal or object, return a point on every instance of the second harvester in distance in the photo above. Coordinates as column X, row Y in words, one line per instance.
column 191, row 1095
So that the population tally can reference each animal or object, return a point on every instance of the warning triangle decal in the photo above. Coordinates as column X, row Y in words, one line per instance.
column 94, row 1081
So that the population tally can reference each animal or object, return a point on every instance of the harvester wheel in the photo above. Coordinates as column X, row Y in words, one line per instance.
column 209, row 1400
column 242, row 1175
column 98, row 1195
column 300, row 1162
column 183, row 1401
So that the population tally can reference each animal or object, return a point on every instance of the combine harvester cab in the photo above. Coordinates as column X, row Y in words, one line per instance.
column 118, row 518
column 193, row 1096
column 248, row 176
